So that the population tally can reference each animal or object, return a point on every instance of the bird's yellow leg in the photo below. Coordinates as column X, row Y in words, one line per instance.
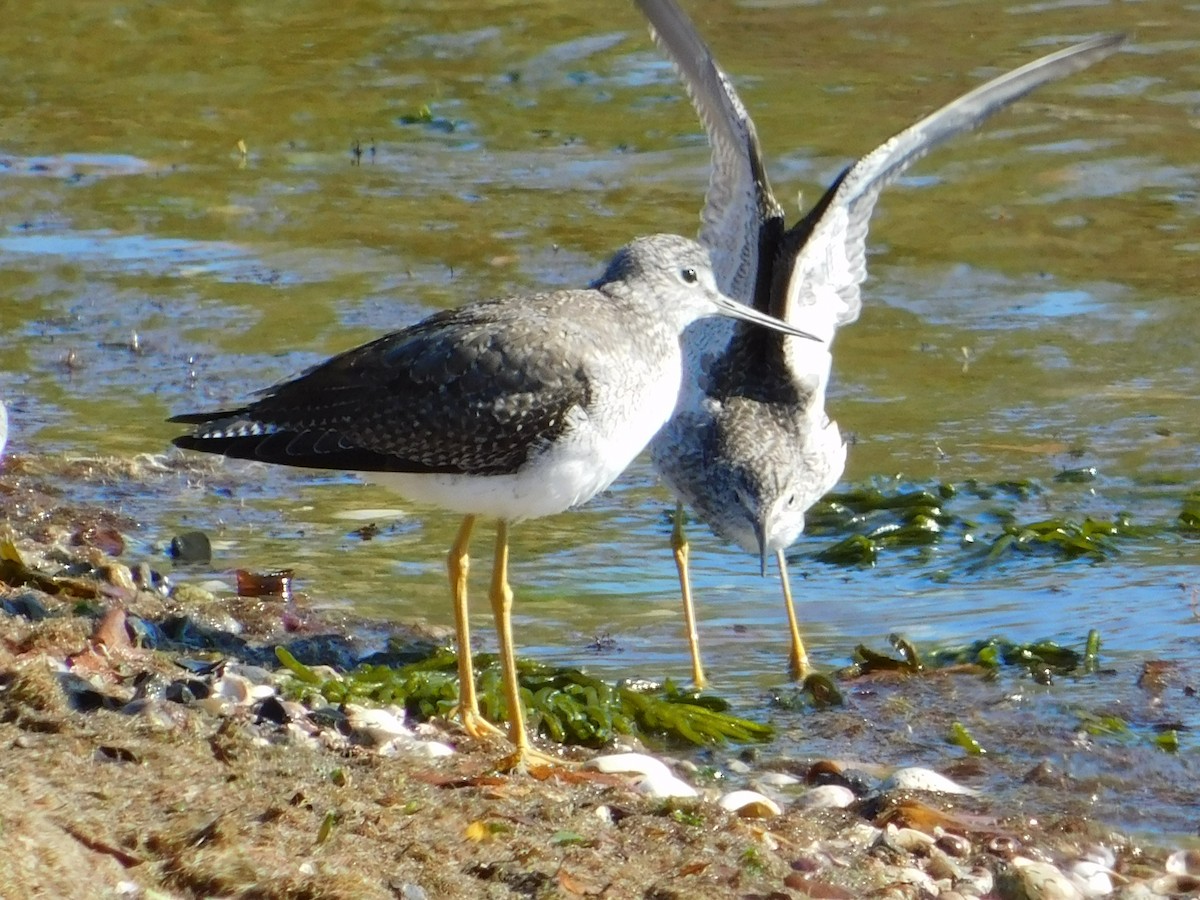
column 679, row 546
column 798, row 666
column 501, row 600
column 458, row 563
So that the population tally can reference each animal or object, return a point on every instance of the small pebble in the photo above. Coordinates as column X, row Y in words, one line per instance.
column 978, row 882
column 254, row 674
column 194, row 595
column 953, row 844
column 1182, row 862
column 27, row 605
column 749, row 805
column 827, row 796
column 216, row 706
column 1176, row 885
column 916, row 778
column 908, row 839
column 738, row 767
column 118, row 575
column 191, row 547
column 629, row 764
column 1043, row 880
column 913, row 876
column 1138, row 890
column 273, row 710
column 941, row 866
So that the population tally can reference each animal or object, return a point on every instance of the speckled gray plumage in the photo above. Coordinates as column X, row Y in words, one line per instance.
column 749, row 446
column 487, row 388
column 808, row 274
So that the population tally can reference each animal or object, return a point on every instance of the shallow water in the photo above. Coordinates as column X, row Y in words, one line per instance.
column 1030, row 307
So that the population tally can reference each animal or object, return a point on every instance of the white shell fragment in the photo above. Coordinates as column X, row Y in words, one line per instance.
column 827, row 796
column 377, row 726
column 234, row 688
column 662, row 786
column 777, row 779
column 1091, row 878
column 629, row 764
column 916, row 778
column 749, row 805
column 432, row 749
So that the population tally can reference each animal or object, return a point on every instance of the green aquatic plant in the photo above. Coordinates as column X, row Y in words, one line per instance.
column 873, row 519
column 565, row 704
column 960, row 736
column 1111, row 727
column 1189, row 517
column 1064, row 537
column 1042, row 659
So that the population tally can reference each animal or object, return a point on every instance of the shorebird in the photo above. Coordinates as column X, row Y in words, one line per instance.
column 513, row 408
column 750, row 447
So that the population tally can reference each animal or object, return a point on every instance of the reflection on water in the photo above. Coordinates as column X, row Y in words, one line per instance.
column 1031, row 305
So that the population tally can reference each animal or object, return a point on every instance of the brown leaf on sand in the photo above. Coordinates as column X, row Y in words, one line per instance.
column 576, row 886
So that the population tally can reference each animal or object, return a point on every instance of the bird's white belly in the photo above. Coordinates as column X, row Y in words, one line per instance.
column 586, row 458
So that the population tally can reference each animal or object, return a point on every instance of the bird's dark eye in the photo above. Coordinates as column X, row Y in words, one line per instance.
column 689, row 275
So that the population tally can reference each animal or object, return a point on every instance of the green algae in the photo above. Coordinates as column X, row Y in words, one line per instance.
column 565, row 704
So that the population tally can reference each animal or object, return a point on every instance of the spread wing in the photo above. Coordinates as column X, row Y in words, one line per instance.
column 739, row 205
column 822, row 258
column 451, row 394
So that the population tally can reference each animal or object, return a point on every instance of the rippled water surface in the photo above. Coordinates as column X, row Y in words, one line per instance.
column 1031, row 306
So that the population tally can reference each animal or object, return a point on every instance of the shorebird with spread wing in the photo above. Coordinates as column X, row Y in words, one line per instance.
column 750, row 447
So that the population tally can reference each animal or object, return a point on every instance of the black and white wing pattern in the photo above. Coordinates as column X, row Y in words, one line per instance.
column 822, row 259
column 739, row 205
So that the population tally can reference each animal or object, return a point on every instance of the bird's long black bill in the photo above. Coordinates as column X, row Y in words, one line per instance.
column 735, row 310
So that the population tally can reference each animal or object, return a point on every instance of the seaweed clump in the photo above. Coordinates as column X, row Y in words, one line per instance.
column 565, row 704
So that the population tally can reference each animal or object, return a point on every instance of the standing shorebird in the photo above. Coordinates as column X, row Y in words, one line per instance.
column 749, row 446
column 513, row 408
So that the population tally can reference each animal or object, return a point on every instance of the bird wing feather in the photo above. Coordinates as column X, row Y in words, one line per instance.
column 739, row 198
column 451, row 394
column 830, row 248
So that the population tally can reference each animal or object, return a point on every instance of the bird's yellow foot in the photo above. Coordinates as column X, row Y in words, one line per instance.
column 476, row 725
column 525, row 758
column 799, row 667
